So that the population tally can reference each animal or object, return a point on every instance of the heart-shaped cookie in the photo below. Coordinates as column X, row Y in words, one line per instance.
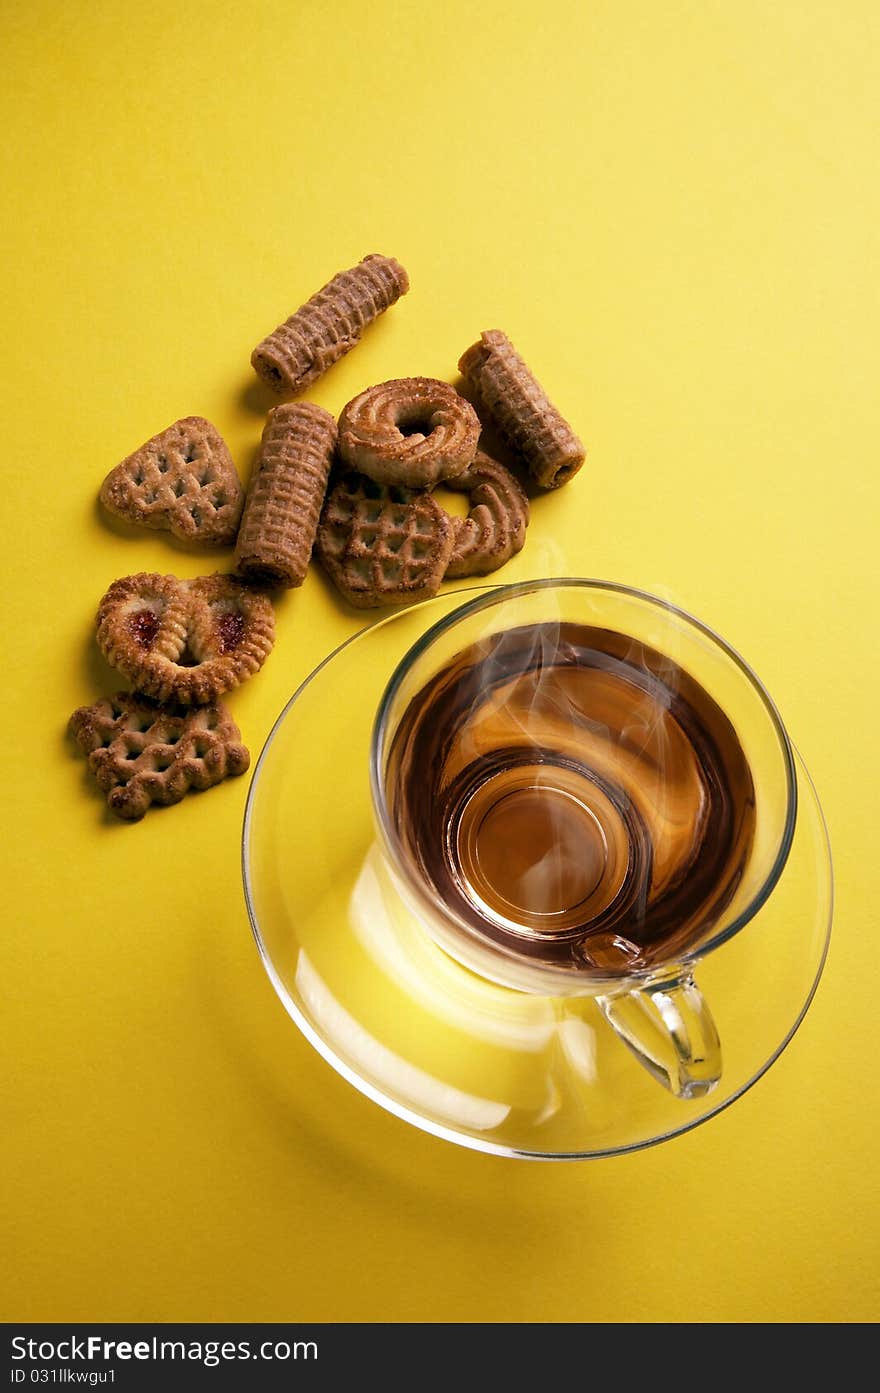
column 185, row 640
column 183, row 480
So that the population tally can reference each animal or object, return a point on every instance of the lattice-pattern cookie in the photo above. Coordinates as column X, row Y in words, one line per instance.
column 285, row 495
column 520, row 409
column 183, row 480
column 412, row 431
column 329, row 324
column 495, row 528
column 383, row 546
column 185, row 641
column 141, row 753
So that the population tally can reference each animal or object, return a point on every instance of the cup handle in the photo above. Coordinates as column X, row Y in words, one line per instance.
column 670, row 1030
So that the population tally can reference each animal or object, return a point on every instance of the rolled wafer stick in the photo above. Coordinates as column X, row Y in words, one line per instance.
column 329, row 324
column 520, row 409
column 285, row 495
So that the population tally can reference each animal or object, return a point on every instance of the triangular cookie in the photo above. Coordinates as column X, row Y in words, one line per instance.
column 183, row 480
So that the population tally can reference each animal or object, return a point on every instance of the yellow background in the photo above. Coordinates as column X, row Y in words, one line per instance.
column 673, row 210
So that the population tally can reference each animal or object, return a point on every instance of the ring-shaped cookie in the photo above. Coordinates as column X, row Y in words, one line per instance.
column 495, row 528
column 411, row 432
column 185, row 641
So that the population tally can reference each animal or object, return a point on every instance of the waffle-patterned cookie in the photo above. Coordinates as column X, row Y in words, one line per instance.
column 185, row 641
column 285, row 495
column 520, row 409
column 412, row 431
column 329, row 324
column 383, row 546
column 495, row 528
column 141, row 753
column 183, row 480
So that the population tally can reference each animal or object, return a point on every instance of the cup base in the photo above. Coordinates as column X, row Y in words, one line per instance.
column 530, row 851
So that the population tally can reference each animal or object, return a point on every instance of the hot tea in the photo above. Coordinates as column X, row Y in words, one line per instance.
column 573, row 796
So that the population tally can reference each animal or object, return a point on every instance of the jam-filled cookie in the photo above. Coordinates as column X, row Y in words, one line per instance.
column 185, row 641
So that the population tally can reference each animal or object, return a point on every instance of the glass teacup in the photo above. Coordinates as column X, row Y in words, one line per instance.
column 581, row 790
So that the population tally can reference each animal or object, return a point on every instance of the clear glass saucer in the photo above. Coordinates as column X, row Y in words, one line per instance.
column 490, row 1068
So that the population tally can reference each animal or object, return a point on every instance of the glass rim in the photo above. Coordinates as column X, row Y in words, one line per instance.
column 498, row 594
